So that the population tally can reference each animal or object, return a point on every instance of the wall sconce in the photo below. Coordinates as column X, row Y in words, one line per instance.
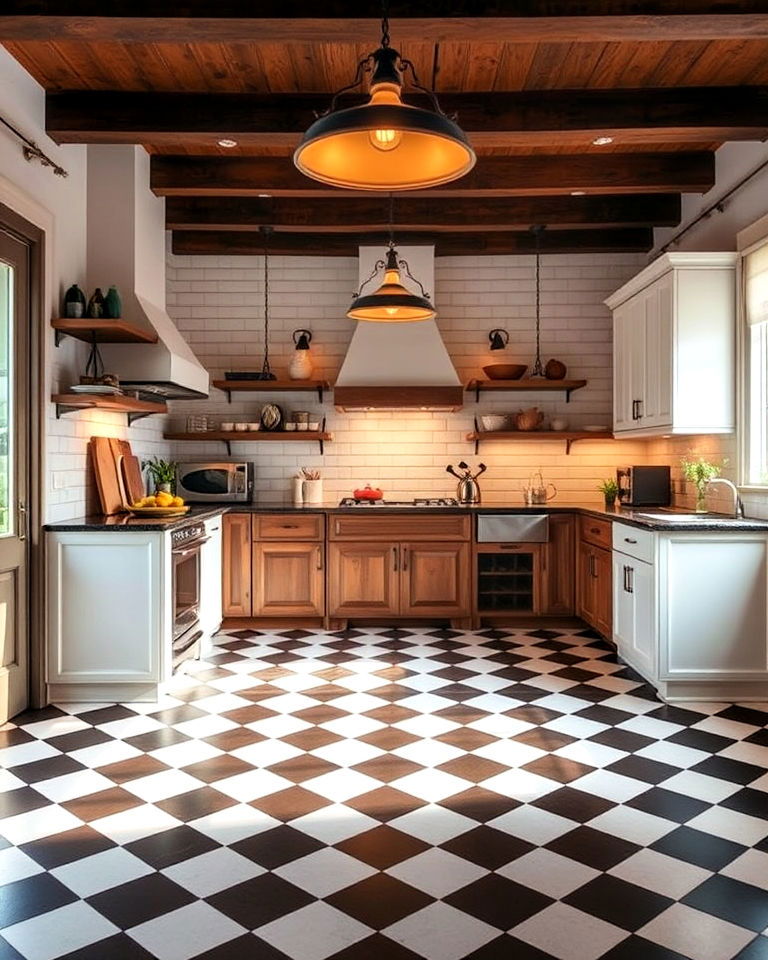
column 301, row 364
column 498, row 339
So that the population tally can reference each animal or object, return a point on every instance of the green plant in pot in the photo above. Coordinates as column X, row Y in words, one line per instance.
column 699, row 472
column 610, row 490
column 163, row 473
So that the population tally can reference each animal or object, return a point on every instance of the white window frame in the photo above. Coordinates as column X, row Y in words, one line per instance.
column 748, row 240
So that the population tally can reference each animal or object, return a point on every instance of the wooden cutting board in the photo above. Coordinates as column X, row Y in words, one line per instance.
column 133, row 481
column 108, row 481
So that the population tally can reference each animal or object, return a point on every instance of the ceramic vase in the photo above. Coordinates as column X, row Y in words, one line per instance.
column 113, row 307
column 301, row 365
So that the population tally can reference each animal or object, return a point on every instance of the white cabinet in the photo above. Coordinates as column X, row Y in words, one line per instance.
column 210, row 582
column 690, row 611
column 109, row 622
column 674, row 347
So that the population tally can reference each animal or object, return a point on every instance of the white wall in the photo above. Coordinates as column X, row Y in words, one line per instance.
column 217, row 303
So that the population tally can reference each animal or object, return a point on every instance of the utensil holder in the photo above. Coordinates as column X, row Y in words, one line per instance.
column 298, row 490
column 313, row 491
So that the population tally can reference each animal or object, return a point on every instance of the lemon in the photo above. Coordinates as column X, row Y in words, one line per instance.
column 178, row 502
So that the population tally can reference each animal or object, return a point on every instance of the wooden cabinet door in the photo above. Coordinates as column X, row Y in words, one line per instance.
column 363, row 579
column 236, row 566
column 558, row 580
column 603, row 580
column 288, row 580
column 435, row 579
column 586, row 600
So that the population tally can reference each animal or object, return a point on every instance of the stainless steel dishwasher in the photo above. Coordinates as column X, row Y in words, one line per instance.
column 510, row 554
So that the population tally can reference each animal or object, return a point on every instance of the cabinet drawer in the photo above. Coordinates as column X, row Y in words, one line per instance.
column 633, row 541
column 288, row 526
column 400, row 527
column 595, row 531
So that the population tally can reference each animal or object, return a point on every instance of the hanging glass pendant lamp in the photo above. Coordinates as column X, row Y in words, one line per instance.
column 384, row 144
column 391, row 302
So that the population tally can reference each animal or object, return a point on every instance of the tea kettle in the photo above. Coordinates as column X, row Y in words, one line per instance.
column 467, row 489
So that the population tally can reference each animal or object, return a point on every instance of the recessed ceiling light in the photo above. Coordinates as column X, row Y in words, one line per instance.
column 263, row 195
column 227, row 143
column 602, row 141
column 578, row 193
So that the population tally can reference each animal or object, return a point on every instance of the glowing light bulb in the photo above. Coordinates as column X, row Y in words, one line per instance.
column 391, row 311
column 385, row 139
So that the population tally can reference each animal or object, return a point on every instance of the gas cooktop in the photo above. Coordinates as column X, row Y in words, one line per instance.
column 418, row 502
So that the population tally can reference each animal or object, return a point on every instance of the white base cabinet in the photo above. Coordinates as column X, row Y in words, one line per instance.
column 109, row 616
column 690, row 611
column 674, row 336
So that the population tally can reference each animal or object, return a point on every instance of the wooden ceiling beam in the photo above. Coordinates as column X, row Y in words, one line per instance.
column 515, row 176
column 229, row 243
column 525, row 118
column 345, row 21
column 449, row 215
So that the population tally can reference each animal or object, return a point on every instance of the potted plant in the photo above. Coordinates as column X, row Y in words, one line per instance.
column 610, row 490
column 163, row 473
column 700, row 472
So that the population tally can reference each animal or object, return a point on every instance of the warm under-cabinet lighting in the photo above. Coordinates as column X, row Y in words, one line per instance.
column 385, row 144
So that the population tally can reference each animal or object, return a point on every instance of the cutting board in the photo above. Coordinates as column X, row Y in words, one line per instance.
column 133, row 481
column 108, row 480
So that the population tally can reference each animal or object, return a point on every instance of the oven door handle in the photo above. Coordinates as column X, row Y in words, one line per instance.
column 190, row 549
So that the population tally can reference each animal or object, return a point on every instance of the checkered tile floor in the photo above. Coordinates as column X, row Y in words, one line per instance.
column 388, row 795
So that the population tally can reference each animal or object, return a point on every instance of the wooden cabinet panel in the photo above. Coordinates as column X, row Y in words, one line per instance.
column 559, row 557
column 288, row 580
column 603, row 593
column 399, row 527
column 236, row 566
column 595, row 530
column 436, row 579
column 585, row 599
column 288, row 526
column 363, row 579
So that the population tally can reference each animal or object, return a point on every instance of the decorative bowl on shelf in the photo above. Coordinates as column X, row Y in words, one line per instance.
column 492, row 422
column 505, row 371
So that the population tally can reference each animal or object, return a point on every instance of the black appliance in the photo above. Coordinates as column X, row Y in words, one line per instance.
column 644, row 486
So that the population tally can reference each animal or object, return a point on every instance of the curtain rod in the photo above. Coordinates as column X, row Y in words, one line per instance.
column 32, row 152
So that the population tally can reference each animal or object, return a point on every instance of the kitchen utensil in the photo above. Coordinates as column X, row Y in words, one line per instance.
column 313, row 491
column 368, row 493
column 505, row 371
column 104, row 468
column 536, row 491
column 491, row 422
column 467, row 489
column 530, row 419
column 133, row 482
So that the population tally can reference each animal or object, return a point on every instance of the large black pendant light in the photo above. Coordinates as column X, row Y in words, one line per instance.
column 384, row 144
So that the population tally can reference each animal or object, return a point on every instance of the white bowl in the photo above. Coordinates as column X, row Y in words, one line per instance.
column 289, row 426
column 494, row 421
column 253, row 427
column 227, row 427
column 241, row 427
column 314, row 425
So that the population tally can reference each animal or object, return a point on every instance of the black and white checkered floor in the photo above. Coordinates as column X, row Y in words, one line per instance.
column 388, row 795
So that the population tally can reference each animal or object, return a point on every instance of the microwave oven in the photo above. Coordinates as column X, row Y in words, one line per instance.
column 644, row 486
column 208, row 482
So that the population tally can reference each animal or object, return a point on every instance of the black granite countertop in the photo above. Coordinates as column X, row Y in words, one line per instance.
column 637, row 517
column 125, row 521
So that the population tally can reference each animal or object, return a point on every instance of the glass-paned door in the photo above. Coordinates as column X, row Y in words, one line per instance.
column 14, row 451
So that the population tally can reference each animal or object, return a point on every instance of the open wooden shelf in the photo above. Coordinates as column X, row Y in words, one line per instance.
column 134, row 408
column 528, row 384
column 101, row 331
column 254, row 436
column 569, row 436
column 272, row 386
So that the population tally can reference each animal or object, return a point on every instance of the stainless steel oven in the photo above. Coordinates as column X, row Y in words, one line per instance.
column 185, row 555
column 215, row 482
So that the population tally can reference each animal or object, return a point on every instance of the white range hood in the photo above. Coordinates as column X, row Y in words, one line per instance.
column 126, row 247
column 398, row 366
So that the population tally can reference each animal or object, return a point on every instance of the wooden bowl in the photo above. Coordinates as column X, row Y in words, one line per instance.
column 505, row 371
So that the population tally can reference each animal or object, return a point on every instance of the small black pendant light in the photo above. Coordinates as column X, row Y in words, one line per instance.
column 266, row 370
column 538, row 369
column 385, row 144
column 391, row 302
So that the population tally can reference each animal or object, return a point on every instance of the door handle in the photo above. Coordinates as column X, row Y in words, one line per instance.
column 394, row 559
column 592, row 565
column 319, row 558
column 22, row 520
column 629, row 540
column 631, row 579
column 406, row 551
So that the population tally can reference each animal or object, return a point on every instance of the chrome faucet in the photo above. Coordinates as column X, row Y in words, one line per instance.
column 738, row 503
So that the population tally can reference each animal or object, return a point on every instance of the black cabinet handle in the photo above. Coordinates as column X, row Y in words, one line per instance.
column 629, row 540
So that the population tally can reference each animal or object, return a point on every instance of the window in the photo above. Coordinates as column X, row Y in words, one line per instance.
column 755, row 273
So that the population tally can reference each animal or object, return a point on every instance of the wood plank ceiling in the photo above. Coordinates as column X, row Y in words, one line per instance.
column 533, row 83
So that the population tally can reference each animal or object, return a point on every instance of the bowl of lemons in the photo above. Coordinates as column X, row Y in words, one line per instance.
column 159, row 505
